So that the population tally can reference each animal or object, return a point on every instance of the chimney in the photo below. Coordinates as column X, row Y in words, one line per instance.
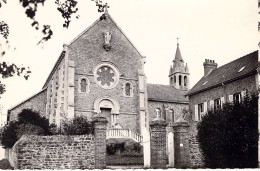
column 209, row 65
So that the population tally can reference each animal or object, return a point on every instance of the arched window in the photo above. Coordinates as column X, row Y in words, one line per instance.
column 128, row 89
column 185, row 80
column 158, row 113
column 174, row 79
column 83, row 85
column 180, row 80
column 171, row 80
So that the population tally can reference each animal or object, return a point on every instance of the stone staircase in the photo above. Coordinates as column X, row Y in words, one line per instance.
column 124, row 133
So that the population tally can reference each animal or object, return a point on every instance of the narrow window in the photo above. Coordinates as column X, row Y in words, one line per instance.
column 174, row 79
column 217, row 104
column 200, row 110
column 83, row 85
column 180, row 80
column 158, row 113
column 185, row 80
column 127, row 89
column 237, row 98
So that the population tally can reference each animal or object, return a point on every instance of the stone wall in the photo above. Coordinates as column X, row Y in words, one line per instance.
column 176, row 107
column 36, row 103
column 196, row 158
column 62, row 152
column 55, row 152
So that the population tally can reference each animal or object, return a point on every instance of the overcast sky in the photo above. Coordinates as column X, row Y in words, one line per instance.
column 208, row 29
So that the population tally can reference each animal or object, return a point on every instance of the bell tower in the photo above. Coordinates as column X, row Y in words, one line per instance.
column 179, row 72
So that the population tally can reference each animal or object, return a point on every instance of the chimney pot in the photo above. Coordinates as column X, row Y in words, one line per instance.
column 209, row 65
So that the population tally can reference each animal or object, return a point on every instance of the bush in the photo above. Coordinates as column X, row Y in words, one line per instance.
column 112, row 148
column 9, row 136
column 29, row 122
column 4, row 164
column 228, row 137
column 78, row 126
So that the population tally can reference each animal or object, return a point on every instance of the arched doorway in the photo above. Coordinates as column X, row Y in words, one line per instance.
column 109, row 108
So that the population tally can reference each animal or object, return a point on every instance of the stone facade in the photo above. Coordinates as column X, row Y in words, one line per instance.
column 37, row 103
column 177, row 109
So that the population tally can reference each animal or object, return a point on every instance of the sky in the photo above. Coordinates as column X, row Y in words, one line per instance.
column 207, row 29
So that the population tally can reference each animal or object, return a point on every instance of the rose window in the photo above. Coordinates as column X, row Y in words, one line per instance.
column 106, row 76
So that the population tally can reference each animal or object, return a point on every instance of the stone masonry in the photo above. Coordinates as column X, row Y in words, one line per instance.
column 36, row 103
column 62, row 152
column 158, row 144
column 181, row 145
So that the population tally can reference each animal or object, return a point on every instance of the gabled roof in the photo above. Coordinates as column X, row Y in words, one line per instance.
column 22, row 102
column 165, row 93
column 239, row 68
column 102, row 17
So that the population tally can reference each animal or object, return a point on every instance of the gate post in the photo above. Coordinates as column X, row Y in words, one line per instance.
column 158, row 143
column 146, row 148
column 100, row 125
column 181, row 144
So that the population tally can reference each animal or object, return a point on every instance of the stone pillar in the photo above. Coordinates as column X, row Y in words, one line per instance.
column 100, row 126
column 158, row 143
column 181, row 144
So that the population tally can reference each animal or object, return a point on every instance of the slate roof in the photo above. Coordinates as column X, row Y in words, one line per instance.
column 165, row 93
column 227, row 73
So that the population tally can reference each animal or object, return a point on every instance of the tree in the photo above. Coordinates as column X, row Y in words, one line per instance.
column 228, row 137
column 29, row 122
column 67, row 8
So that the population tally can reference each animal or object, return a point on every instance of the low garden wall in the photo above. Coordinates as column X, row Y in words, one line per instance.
column 62, row 151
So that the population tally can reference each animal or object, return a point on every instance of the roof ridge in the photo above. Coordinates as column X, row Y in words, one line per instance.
column 235, row 60
column 28, row 98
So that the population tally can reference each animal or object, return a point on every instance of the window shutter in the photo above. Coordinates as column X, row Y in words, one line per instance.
column 243, row 94
column 196, row 116
column 211, row 104
column 230, row 98
column 205, row 108
column 222, row 99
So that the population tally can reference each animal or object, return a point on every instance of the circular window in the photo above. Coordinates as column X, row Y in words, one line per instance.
column 106, row 76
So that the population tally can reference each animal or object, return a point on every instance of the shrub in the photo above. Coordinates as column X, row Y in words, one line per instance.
column 4, row 164
column 29, row 122
column 9, row 136
column 78, row 126
column 112, row 148
column 228, row 137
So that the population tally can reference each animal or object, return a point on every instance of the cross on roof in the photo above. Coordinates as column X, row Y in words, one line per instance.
column 178, row 41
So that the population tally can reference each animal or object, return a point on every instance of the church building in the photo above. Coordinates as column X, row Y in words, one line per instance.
column 101, row 72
